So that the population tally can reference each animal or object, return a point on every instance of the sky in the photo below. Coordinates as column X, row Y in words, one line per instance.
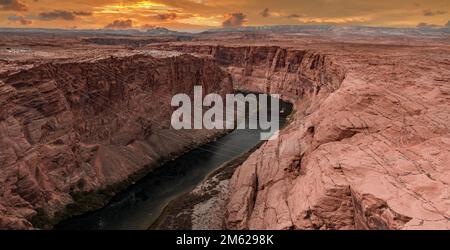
column 192, row 15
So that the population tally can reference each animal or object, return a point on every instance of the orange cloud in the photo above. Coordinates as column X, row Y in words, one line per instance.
column 20, row 19
column 204, row 14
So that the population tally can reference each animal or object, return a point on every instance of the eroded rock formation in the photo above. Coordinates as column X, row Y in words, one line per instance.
column 83, row 126
column 368, row 145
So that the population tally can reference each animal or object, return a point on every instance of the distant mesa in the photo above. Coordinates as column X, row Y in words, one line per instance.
column 422, row 29
column 151, row 31
column 326, row 29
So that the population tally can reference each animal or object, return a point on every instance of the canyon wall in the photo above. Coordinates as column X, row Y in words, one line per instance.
column 367, row 147
column 74, row 128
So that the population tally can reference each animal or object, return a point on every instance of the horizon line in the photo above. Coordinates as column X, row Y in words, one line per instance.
column 193, row 31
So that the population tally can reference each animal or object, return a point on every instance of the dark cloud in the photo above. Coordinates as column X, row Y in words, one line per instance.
column 62, row 14
column 294, row 16
column 165, row 16
column 120, row 24
column 265, row 12
column 82, row 13
column 434, row 13
column 13, row 5
column 57, row 14
column 234, row 20
column 20, row 19
column 426, row 26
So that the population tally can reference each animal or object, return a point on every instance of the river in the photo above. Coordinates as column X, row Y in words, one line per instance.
column 140, row 205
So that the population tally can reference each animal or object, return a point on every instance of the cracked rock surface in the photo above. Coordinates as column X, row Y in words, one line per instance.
column 369, row 144
column 367, row 147
column 82, row 126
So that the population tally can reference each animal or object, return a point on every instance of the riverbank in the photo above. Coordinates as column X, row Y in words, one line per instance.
column 211, row 165
column 86, row 203
column 202, row 208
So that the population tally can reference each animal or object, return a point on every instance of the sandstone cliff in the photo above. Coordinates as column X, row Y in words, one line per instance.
column 77, row 127
column 368, row 146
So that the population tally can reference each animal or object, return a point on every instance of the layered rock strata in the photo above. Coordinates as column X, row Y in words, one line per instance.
column 74, row 128
column 368, row 145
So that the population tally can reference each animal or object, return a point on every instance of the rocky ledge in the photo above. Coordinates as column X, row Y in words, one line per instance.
column 73, row 133
column 368, row 147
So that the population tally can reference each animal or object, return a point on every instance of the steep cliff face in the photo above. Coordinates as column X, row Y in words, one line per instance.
column 75, row 127
column 296, row 74
column 368, row 145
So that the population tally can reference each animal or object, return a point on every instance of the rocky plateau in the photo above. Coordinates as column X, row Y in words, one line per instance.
column 367, row 147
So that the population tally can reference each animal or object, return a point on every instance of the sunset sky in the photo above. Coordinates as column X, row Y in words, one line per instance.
column 204, row 14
